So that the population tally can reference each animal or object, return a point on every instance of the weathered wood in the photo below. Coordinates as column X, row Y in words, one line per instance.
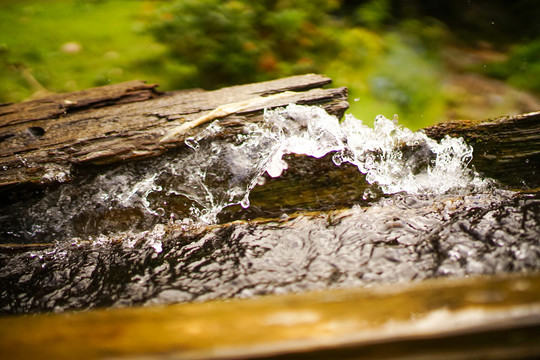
column 483, row 317
column 62, row 104
column 42, row 139
column 506, row 148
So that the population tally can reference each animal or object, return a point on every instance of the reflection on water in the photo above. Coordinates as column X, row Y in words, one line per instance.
column 398, row 239
column 139, row 233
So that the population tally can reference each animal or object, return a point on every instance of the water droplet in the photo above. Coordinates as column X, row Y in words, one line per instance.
column 261, row 181
column 245, row 202
column 192, row 143
column 338, row 158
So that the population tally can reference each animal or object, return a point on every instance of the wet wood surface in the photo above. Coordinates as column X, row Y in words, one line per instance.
column 505, row 148
column 482, row 317
column 43, row 138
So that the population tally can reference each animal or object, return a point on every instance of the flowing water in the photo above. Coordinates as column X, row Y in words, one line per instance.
column 403, row 207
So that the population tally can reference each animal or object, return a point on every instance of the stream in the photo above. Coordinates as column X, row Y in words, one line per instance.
column 295, row 203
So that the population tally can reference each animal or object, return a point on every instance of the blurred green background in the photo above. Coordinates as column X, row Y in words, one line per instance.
column 426, row 61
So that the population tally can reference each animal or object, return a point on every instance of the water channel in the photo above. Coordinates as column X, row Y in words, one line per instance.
column 298, row 202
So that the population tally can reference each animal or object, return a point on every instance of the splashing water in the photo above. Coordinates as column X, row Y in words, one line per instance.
column 216, row 171
column 125, row 235
column 394, row 157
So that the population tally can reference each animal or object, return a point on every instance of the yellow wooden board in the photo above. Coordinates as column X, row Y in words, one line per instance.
column 364, row 321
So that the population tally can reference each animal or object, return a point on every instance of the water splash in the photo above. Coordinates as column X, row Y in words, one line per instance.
column 218, row 169
column 393, row 157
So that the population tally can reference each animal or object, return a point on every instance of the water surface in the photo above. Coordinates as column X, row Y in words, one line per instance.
column 398, row 207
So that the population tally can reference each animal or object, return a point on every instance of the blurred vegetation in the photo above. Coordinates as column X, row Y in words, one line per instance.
column 226, row 42
column 389, row 53
column 64, row 46
column 522, row 68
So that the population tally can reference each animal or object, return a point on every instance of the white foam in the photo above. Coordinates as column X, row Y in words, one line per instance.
column 388, row 154
column 221, row 172
column 215, row 172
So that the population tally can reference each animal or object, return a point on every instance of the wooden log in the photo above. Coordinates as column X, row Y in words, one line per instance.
column 482, row 317
column 43, row 139
column 506, row 148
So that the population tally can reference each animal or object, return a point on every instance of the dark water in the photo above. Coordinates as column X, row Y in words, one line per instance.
column 397, row 239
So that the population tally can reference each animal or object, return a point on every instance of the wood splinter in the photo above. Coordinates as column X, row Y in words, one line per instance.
column 220, row 112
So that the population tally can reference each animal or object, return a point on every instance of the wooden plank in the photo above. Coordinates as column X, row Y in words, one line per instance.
column 62, row 104
column 384, row 321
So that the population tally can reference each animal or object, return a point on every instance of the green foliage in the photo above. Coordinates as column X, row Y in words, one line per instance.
column 389, row 74
column 106, row 46
column 522, row 68
column 214, row 43
column 391, row 66
column 373, row 14
column 240, row 41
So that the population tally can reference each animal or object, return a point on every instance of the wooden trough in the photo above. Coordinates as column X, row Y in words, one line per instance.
column 51, row 140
